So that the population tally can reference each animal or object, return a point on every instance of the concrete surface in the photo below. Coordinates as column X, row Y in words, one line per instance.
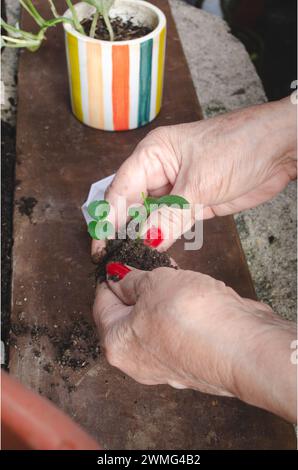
column 225, row 79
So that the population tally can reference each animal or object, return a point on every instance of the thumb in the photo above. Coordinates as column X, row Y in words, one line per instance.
column 108, row 308
column 165, row 225
column 129, row 289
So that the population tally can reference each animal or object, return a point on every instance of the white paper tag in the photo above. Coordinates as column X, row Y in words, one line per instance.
column 96, row 193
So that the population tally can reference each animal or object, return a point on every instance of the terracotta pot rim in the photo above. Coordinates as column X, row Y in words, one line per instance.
column 30, row 421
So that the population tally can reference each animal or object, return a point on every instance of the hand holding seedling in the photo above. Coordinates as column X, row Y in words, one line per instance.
column 228, row 164
column 188, row 330
column 183, row 328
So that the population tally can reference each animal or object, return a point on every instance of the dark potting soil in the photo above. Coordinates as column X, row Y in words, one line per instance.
column 133, row 253
column 123, row 30
column 26, row 205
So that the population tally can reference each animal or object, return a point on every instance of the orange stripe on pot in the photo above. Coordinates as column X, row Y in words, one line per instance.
column 75, row 82
column 95, row 85
column 120, row 87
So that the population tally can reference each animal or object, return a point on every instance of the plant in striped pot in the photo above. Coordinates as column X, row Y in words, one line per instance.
column 115, row 53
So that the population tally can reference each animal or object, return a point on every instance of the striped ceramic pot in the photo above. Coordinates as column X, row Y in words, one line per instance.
column 117, row 86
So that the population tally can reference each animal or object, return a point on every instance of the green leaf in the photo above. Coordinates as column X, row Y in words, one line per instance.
column 99, row 210
column 103, row 229
column 91, row 229
column 101, row 6
column 151, row 200
column 172, row 200
column 139, row 213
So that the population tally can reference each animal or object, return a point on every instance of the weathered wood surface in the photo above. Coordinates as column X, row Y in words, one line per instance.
column 57, row 160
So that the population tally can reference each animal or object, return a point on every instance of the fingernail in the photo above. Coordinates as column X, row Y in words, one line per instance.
column 117, row 269
column 153, row 237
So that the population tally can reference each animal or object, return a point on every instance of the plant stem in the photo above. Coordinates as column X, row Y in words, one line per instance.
column 75, row 18
column 94, row 24
column 30, row 8
column 31, row 44
column 55, row 21
column 53, row 9
column 146, row 205
column 108, row 25
column 16, row 32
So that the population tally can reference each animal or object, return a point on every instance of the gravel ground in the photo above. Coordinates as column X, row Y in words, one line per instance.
column 225, row 79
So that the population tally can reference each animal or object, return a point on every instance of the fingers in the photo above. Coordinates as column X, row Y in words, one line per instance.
column 108, row 308
column 166, row 225
column 125, row 189
column 97, row 249
column 130, row 287
column 151, row 169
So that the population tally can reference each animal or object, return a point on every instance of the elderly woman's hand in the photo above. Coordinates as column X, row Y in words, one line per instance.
column 188, row 330
column 227, row 164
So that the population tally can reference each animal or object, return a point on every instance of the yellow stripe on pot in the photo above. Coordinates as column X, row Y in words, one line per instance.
column 73, row 54
column 95, row 85
column 161, row 58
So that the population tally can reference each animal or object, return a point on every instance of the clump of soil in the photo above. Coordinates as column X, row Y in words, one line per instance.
column 133, row 253
column 123, row 30
column 26, row 205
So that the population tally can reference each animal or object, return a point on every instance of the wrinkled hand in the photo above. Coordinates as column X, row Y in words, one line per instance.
column 228, row 163
column 175, row 327
column 188, row 330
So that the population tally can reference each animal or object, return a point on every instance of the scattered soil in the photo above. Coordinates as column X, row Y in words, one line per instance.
column 77, row 345
column 26, row 205
column 123, row 30
column 74, row 346
column 48, row 367
column 134, row 253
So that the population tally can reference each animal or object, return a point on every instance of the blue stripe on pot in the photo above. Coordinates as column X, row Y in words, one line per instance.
column 145, row 82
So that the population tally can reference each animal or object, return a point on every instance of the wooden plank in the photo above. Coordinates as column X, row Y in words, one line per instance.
column 54, row 344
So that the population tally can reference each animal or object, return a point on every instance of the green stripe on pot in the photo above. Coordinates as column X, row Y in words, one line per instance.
column 145, row 82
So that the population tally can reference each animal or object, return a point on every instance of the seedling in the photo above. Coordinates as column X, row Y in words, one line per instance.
column 18, row 38
column 101, row 229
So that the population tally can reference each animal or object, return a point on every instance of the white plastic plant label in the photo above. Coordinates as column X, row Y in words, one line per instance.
column 96, row 193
